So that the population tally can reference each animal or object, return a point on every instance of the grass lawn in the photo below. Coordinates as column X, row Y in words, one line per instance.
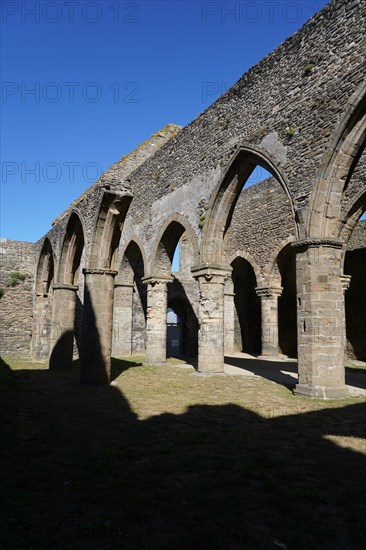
column 167, row 459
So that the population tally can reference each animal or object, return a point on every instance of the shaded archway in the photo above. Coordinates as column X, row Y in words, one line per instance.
column 175, row 230
column 287, row 309
column 188, row 329
column 247, row 320
column 65, row 296
column 100, row 272
column 130, row 303
column 354, row 279
column 42, row 316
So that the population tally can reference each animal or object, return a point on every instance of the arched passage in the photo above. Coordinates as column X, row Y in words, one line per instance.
column 287, row 314
column 100, row 272
column 130, row 304
column 183, row 286
column 225, row 197
column 66, row 301
column 354, row 279
column 42, row 316
column 247, row 319
column 213, row 269
column 320, row 294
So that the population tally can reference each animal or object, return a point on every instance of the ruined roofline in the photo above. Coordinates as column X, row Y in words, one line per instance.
column 136, row 157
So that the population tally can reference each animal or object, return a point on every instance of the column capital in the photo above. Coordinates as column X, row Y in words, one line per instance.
column 317, row 242
column 125, row 285
column 269, row 291
column 346, row 281
column 157, row 280
column 96, row 271
column 210, row 272
column 65, row 286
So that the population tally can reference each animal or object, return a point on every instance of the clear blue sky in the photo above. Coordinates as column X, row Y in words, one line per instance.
column 105, row 76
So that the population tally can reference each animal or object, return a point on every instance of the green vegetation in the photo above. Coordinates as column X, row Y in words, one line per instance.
column 258, row 134
column 15, row 277
column 309, row 68
column 291, row 131
column 165, row 458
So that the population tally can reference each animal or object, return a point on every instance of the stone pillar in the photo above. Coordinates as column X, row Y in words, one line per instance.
column 95, row 357
column 211, row 318
column 320, row 318
column 229, row 317
column 269, row 309
column 157, row 303
column 62, row 326
column 122, row 319
column 346, row 281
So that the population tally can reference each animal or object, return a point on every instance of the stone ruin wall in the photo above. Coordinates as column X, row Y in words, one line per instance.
column 16, row 302
column 178, row 170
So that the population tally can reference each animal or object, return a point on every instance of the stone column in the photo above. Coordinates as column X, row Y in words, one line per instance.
column 95, row 359
column 346, row 281
column 122, row 319
column 157, row 303
column 211, row 318
column 62, row 326
column 320, row 318
column 229, row 317
column 269, row 309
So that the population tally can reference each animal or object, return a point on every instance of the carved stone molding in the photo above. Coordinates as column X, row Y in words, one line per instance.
column 92, row 271
column 269, row 291
column 157, row 280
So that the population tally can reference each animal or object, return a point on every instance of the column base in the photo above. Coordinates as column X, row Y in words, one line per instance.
column 321, row 392
column 212, row 369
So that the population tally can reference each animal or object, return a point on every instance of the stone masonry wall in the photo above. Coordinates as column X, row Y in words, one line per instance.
column 16, row 302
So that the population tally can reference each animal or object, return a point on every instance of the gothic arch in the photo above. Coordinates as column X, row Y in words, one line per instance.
column 108, row 229
column 166, row 242
column 71, row 251
column 351, row 218
column 271, row 273
column 340, row 158
column 45, row 269
column 42, row 308
column 225, row 197
column 249, row 258
column 132, row 254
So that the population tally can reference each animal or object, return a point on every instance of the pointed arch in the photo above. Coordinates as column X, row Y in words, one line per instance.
column 166, row 242
column 339, row 161
column 272, row 273
column 133, row 258
column 71, row 251
column 42, row 306
column 249, row 258
column 350, row 220
column 226, row 195
column 108, row 229
column 45, row 269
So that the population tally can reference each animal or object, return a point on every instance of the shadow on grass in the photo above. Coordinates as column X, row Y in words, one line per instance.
column 118, row 366
column 80, row 471
column 271, row 370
